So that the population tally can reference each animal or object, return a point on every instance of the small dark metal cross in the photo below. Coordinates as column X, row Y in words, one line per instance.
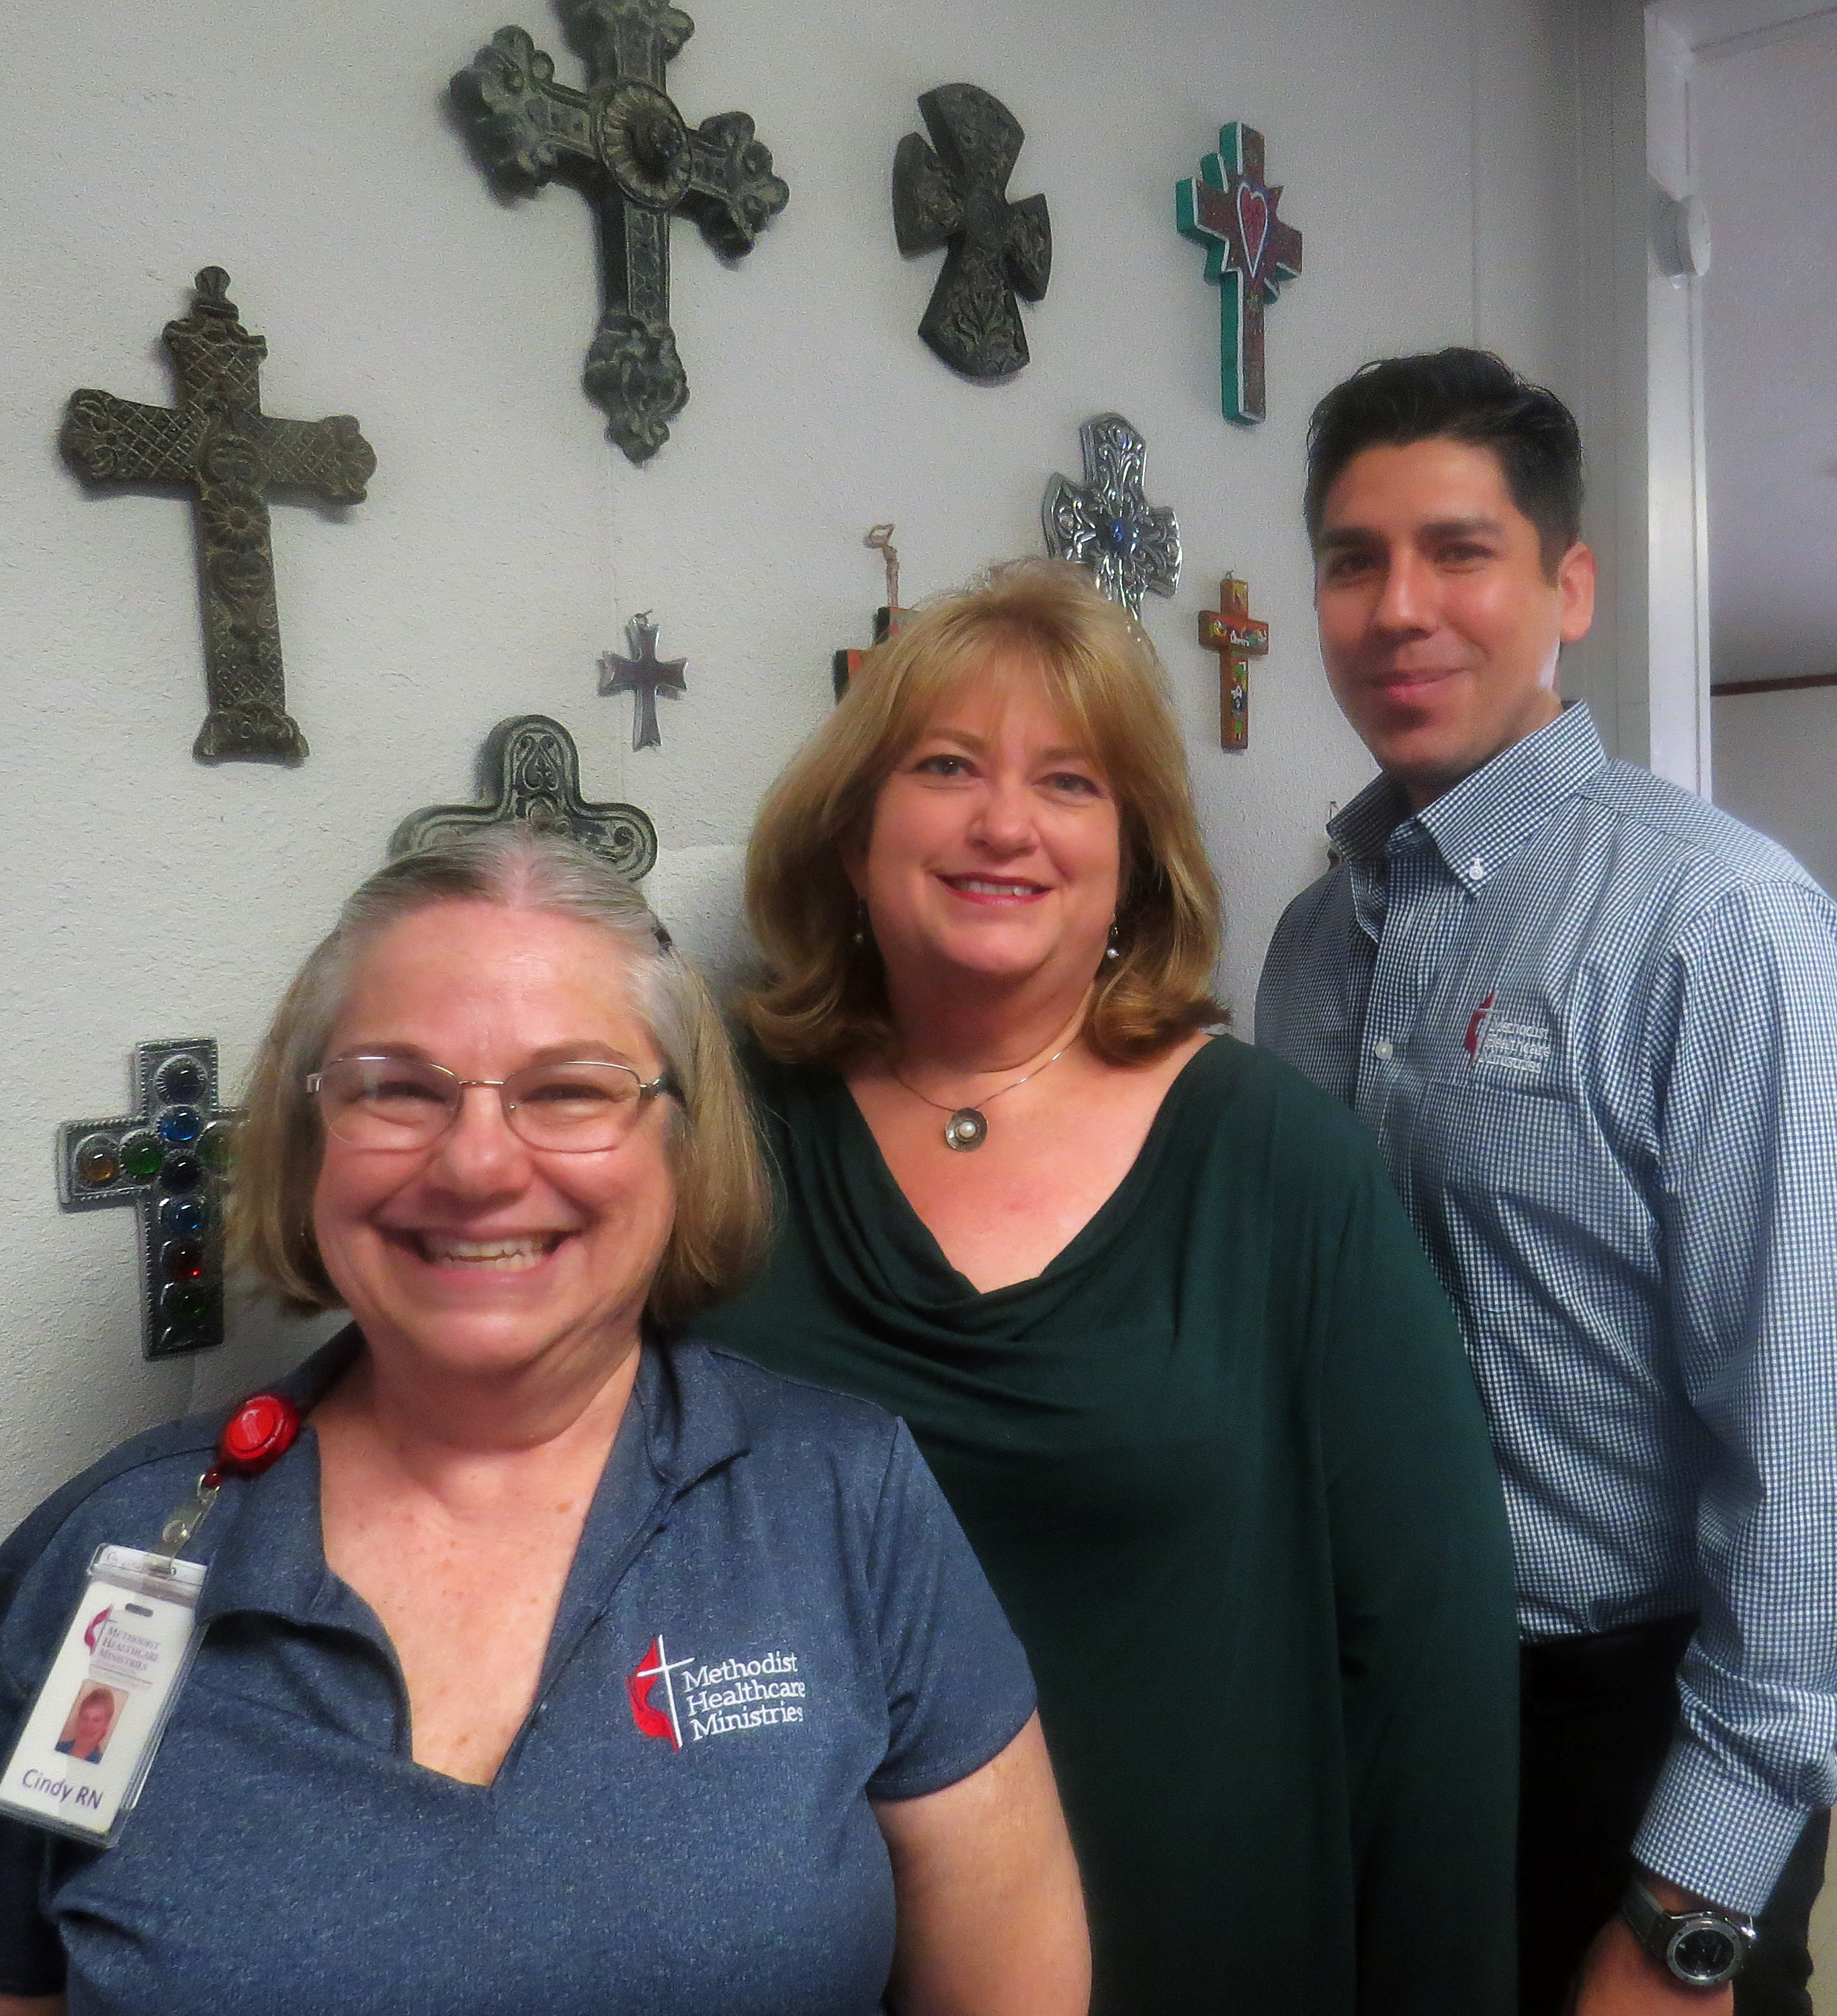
column 957, row 196
column 218, row 443
column 626, row 147
column 171, row 1158
column 644, row 675
column 1231, row 210
column 529, row 769
column 1237, row 637
column 1109, row 526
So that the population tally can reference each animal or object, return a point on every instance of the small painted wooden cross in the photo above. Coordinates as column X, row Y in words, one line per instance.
column 169, row 1158
column 219, row 444
column 625, row 146
column 887, row 619
column 644, row 675
column 1249, row 251
column 954, row 193
column 1237, row 637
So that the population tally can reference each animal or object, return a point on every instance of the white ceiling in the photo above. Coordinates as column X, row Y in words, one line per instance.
column 1710, row 26
column 1765, row 146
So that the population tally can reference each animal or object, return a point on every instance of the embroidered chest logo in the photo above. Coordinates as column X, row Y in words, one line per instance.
column 718, row 1699
column 1495, row 1044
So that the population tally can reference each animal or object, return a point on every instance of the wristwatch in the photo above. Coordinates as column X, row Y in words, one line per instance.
column 1702, row 1949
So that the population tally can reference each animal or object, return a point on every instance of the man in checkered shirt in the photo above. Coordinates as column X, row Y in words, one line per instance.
column 1592, row 1022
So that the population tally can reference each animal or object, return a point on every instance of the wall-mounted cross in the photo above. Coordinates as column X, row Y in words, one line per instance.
column 529, row 769
column 1109, row 526
column 171, row 1158
column 1237, row 637
column 1231, row 210
column 644, row 675
column 625, row 146
column 888, row 618
column 219, row 444
column 954, row 193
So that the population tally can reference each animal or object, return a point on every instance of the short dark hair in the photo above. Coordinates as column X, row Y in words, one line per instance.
column 1463, row 395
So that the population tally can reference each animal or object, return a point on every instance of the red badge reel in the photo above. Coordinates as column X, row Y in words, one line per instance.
column 257, row 1435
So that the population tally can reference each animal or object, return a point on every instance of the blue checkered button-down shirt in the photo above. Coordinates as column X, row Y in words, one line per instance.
column 1592, row 1022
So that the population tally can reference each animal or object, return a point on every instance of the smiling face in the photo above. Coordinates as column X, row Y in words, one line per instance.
column 93, row 1719
column 480, row 1254
column 995, row 848
column 1440, row 626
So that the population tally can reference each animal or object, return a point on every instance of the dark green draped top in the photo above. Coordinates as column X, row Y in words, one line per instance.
column 1224, row 1462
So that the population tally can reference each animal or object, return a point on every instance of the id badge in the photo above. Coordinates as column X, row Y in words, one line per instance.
column 90, row 1736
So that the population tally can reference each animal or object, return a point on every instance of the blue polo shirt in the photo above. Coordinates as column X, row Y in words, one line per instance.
column 772, row 1618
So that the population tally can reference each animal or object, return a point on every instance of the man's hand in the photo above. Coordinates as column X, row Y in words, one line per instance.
column 1619, row 1978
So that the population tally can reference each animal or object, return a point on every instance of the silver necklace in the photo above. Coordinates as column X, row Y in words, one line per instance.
column 967, row 1127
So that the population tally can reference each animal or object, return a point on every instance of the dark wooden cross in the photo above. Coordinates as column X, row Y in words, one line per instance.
column 644, row 675
column 219, row 444
column 529, row 769
column 627, row 148
column 1237, row 637
column 1231, row 210
column 888, row 618
column 170, row 1157
column 954, row 193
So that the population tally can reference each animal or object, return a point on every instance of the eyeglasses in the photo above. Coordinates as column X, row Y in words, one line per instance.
column 402, row 1102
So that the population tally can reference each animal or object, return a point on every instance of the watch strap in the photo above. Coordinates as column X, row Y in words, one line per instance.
column 1655, row 1927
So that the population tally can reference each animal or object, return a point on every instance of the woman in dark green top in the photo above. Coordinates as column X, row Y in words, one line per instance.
column 1155, row 1318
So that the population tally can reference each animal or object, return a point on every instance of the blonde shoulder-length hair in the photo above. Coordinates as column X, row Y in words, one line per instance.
column 824, row 1001
column 721, row 1195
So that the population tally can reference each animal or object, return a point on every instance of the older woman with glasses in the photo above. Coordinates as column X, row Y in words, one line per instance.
column 563, row 1663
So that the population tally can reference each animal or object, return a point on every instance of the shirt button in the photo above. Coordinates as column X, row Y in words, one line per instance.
column 1384, row 1047
column 1477, row 868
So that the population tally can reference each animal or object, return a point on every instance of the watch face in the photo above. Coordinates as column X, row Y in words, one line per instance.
column 1703, row 1955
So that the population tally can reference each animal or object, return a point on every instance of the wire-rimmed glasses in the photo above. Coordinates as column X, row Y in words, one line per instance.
column 574, row 1107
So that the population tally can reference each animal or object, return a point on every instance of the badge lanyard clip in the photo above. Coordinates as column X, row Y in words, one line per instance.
column 89, row 1737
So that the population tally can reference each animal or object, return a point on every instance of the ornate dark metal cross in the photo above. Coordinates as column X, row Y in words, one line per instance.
column 218, row 443
column 957, row 196
column 643, row 676
column 1231, row 210
column 170, row 1157
column 1237, row 637
column 1109, row 526
column 626, row 147
column 529, row 769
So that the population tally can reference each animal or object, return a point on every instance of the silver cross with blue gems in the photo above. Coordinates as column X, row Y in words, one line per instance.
column 1109, row 526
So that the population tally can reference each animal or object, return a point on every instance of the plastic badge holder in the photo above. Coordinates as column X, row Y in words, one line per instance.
column 83, row 1753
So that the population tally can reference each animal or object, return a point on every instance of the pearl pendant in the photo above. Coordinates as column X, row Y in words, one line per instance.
column 966, row 1129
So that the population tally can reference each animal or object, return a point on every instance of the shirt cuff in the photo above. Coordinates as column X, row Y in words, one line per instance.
column 1720, row 1836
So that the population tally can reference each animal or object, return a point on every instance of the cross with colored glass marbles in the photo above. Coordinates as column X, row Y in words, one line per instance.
column 1231, row 210
column 169, row 1158
column 217, row 443
column 1109, row 526
column 888, row 618
column 1237, row 637
column 624, row 145
column 644, row 675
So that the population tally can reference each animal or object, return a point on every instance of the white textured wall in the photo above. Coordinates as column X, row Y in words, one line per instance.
column 306, row 148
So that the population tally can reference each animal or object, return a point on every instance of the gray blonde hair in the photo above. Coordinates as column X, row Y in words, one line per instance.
column 721, row 1206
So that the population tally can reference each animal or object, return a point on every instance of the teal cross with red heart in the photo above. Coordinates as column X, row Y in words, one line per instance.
column 1231, row 209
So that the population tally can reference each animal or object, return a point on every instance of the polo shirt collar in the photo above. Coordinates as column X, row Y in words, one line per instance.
column 1488, row 818
column 268, row 1552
